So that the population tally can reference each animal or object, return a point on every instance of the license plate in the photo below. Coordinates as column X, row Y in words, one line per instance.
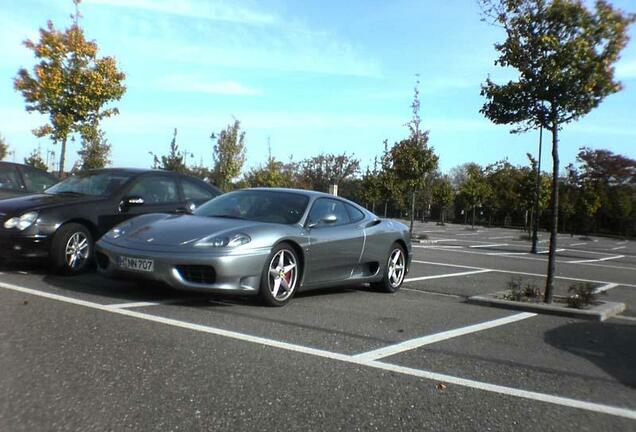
column 136, row 264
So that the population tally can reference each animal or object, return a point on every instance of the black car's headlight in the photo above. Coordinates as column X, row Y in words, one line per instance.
column 22, row 222
column 230, row 241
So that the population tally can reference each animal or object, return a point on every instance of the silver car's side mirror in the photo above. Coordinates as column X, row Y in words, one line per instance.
column 327, row 220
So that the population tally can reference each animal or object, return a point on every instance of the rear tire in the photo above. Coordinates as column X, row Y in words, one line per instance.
column 281, row 276
column 72, row 249
column 394, row 271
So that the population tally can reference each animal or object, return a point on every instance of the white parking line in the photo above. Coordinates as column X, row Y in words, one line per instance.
column 598, row 259
column 500, row 238
column 437, row 337
column 606, row 287
column 468, row 234
column 535, row 259
column 618, row 247
column 439, row 246
column 488, row 245
column 132, row 305
column 577, row 244
column 478, row 385
column 547, row 251
column 519, row 273
column 507, row 253
column 415, row 279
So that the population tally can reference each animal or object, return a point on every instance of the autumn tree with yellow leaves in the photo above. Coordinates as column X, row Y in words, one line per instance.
column 69, row 83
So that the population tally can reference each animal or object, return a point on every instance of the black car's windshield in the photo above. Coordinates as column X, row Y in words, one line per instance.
column 257, row 205
column 97, row 184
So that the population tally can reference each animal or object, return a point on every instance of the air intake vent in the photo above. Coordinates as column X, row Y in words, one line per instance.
column 197, row 273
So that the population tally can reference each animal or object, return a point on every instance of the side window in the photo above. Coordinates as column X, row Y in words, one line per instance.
column 355, row 214
column 194, row 192
column 36, row 180
column 324, row 207
column 155, row 189
column 9, row 179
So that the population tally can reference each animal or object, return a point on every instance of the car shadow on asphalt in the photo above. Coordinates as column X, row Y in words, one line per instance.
column 609, row 345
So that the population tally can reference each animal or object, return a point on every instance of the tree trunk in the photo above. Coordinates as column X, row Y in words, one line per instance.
column 412, row 211
column 62, row 156
column 537, row 193
column 472, row 222
column 441, row 216
column 549, row 284
column 386, row 205
column 373, row 207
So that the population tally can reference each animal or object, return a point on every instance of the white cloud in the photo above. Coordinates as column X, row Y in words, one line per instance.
column 204, row 9
column 281, row 44
column 198, row 84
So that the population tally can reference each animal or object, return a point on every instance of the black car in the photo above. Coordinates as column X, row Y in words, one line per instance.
column 63, row 223
column 17, row 179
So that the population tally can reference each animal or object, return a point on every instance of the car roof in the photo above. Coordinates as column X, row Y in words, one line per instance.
column 19, row 164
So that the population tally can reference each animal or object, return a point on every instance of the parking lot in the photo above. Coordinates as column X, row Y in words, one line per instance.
column 86, row 353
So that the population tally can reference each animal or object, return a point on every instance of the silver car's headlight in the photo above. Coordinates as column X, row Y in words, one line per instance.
column 22, row 222
column 230, row 241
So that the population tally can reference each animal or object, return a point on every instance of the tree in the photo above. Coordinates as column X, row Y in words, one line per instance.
column 475, row 189
column 35, row 160
column 565, row 55
column 174, row 161
column 527, row 186
column 319, row 172
column 273, row 173
column 371, row 185
column 69, row 83
column 412, row 159
column 442, row 195
column 95, row 151
column 4, row 148
column 229, row 155
column 502, row 178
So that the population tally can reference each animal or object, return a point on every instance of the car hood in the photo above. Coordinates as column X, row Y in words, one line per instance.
column 180, row 230
column 25, row 203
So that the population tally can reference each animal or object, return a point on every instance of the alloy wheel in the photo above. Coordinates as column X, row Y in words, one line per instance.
column 76, row 251
column 283, row 275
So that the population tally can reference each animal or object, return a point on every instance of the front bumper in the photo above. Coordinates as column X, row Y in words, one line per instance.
column 24, row 246
column 233, row 273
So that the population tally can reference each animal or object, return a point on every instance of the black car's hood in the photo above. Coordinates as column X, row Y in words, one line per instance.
column 22, row 204
column 180, row 230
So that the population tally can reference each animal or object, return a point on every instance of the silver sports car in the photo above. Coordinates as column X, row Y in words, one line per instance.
column 266, row 242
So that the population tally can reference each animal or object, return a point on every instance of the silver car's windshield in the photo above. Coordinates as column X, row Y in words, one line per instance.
column 98, row 184
column 257, row 205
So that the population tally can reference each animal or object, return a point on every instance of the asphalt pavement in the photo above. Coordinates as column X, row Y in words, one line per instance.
column 91, row 354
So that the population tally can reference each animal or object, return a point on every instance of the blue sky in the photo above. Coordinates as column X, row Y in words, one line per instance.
column 311, row 76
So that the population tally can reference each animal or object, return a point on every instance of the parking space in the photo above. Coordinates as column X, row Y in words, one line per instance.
column 395, row 361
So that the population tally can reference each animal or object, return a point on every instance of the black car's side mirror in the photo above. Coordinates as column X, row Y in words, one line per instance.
column 130, row 201
column 188, row 208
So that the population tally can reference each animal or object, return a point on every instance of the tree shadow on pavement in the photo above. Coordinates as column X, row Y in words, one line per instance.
column 610, row 346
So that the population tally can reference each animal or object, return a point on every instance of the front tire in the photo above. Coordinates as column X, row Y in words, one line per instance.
column 72, row 249
column 281, row 276
column 394, row 271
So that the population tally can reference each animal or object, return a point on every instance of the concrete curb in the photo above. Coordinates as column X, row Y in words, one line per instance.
column 599, row 312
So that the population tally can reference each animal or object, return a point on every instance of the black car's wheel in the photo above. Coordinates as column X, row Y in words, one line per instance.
column 72, row 249
column 394, row 271
column 280, row 276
